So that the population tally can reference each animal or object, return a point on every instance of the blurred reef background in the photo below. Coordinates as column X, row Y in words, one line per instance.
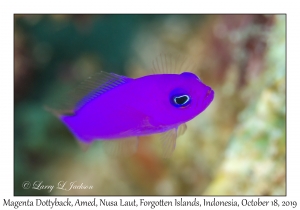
column 237, row 146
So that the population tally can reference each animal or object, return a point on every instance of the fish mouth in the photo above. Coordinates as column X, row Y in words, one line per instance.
column 208, row 98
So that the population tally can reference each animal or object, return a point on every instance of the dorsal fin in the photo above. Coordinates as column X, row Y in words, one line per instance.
column 88, row 90
column 99, row 84
column 173, row 64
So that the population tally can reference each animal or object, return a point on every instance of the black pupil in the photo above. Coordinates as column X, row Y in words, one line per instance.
column 181, row 100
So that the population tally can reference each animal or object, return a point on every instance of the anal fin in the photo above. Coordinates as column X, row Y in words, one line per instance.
column 84, row 147
column 121, row 147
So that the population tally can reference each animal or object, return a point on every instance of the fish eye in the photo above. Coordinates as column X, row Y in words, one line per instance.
column 181, row 100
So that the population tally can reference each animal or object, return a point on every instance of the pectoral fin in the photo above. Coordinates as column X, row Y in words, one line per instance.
column 181, row 129
column 168, row 139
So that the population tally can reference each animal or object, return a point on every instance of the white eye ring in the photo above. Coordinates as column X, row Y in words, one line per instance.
column 179, row 97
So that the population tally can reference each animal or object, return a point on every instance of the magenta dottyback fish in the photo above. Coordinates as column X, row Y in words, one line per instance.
column 122, row 109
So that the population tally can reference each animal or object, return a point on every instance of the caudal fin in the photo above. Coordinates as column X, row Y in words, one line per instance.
column 53, row 111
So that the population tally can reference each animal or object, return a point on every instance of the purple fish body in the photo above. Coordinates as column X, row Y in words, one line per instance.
column 139, row 107
column 124, row 108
